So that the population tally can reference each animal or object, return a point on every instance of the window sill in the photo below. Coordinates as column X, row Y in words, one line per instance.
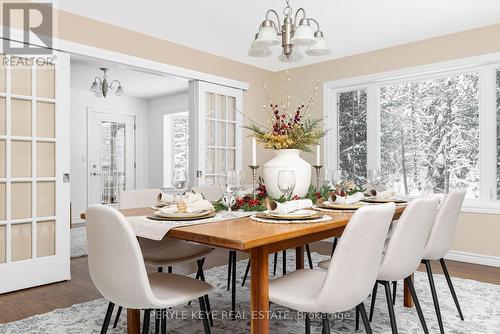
column 474, row 206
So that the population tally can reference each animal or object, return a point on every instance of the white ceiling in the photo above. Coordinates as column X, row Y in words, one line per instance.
column 135, row 83
column 226, row 27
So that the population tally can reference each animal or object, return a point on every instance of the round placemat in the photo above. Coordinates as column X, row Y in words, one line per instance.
column 322, row 219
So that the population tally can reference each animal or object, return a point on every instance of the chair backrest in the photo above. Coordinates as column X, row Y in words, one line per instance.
column 406, row 245
column 443, row 229
column 353, row 270
column 115, row 260
column 211, row 193
column 138, row 198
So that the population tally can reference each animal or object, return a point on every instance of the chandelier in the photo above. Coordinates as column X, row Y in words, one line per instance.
column 101, row 86
column 292, row 36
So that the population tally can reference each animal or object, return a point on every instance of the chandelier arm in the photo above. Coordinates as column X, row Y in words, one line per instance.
column 112, row 82
column 274, row 24
column 297, row 14
column 316, row 22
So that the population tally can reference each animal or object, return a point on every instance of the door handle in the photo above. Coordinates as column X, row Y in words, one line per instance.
column 94, row 174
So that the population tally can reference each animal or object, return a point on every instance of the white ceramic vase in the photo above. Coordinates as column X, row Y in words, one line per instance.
column 287, row 160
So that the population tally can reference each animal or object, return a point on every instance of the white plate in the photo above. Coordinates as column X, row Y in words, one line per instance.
column 194, row 214
column 294, row 214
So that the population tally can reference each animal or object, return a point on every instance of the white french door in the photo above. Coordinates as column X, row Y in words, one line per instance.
column 111, row 156
column 34, row 172
column 215, row 131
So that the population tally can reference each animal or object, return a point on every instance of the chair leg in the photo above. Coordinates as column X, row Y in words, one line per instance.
column 374, row 297
column 145, row 322
column 117, row 316
column 275, row 263
column 366, row 323
column 107, row 318
column 229, row 268
column 357, row 318
column 452, row 289
column 434, row 295
column 308, row 324
column 158, row 313
column 204, row 315
column 246, row 273
column 164, row 321
column 284, row 262
column 309, row 258
column 326, row 324
column 409, row 281
column 390, row 306
column 207, row 300
column 233, row 288
column 394, row 288
column 334, row 245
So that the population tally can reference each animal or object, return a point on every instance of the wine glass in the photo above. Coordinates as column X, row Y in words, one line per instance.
column 374, row 178
column 233, row 182
column 339, row 176
column 286, row 183
column 327, row 177
column 180, row 182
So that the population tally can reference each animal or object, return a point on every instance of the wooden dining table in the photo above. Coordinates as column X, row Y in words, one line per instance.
column 259, row 240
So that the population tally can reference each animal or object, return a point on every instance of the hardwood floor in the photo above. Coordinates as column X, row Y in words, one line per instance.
column 21, row 304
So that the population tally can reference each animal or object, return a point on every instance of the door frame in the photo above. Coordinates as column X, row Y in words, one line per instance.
column 96, row 110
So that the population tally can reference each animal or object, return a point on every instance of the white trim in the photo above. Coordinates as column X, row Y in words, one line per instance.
column 485, row 260
column 485, row 65
column 136, row 62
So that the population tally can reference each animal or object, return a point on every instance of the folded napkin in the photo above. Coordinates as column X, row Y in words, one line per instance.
column 291, row 206
column 194, row 202
column 387, row 194
column 351, row 199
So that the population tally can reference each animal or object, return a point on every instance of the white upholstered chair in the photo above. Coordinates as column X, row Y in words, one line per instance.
column 355, row 265
column 167, row 252
column 403, row 253
column 439, row 243
column 118, row 271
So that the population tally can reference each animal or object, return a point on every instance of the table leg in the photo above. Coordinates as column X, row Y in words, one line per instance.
column 259, row 287
column 407, row 300
column 133, row 321
column 299, row 257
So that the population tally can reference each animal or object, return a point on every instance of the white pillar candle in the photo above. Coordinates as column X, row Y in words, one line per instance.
column 254, row 151
column 318, row 155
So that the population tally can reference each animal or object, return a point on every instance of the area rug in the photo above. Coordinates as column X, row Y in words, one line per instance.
column 480, row 303
column 78, row 242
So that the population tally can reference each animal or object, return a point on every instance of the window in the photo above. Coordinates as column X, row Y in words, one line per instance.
column 429, row 135
column 430, row 129
column 175, row 145
column 352, row 134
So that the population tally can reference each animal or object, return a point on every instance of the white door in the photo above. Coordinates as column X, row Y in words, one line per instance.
column 111, row 156
column 215, row 131
column 34, row 172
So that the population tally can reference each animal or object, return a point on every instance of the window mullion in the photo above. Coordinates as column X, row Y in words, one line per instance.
column 373, row 127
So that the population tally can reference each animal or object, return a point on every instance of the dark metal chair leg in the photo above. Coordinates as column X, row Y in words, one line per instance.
column 164, row 321
column 390, row 306
column 452, row 289
column 394, row 289
column 145, row 322
column 284, row 262
column 409, row 281
column 158, row 313
column 246, row 273
column 309, row 258
column 207, row 300
column 233, row 287
column 434, row 295
column 374, row 297
column 204, row 315
column 357, row 318
column 326, row 324
column 107, row 318
column 275, row 263
column 308, row 324
column 117, row 316
column 366, row 323
column 334, row 245
column 229, row 268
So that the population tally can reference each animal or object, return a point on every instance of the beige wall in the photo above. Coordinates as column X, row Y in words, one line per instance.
column 477, row 233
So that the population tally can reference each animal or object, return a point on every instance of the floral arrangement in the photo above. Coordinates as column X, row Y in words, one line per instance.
column 286, row 128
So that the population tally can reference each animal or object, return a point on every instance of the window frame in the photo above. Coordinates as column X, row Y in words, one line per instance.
column 486, row 66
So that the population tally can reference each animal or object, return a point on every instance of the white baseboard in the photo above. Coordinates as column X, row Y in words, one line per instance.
column 487, row 260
